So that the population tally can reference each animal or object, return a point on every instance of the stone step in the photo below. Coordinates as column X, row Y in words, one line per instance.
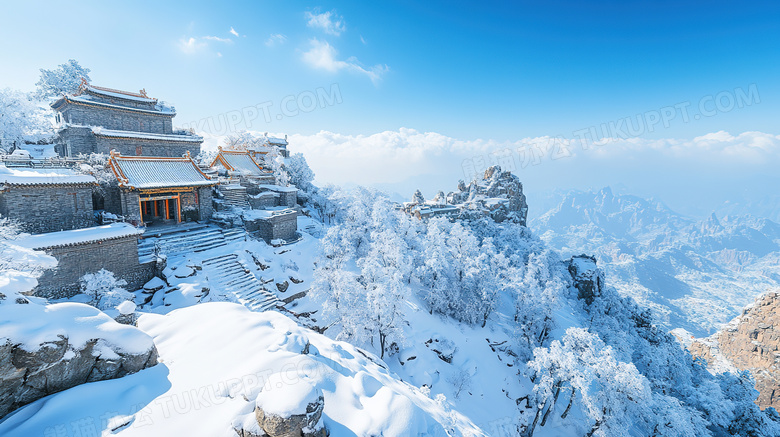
column 226, row 272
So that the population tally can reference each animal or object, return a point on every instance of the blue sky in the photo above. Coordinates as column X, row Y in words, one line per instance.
column 481, row 75
column 468, row 70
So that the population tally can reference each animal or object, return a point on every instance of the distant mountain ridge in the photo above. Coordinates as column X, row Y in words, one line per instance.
column 696, row 274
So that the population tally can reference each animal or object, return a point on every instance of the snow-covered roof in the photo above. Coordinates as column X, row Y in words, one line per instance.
column 160, row 109
column 47, row 176
column 145, row 136
column 239, row 161
column 144, row 172
column 110, row 92
column 267, row 213
column 277, row 188
column 78, row 236
column 277, row 141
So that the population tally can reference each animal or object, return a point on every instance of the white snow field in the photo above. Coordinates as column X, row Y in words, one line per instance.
column 217, row 361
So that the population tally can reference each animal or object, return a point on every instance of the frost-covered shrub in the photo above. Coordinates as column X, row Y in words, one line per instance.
column 104, row 290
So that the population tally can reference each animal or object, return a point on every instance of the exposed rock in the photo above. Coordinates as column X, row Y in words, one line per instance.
column 749, row 342
column 498, row 195
column 306, row 424
column 282, row 287
column 588, row 279
column 57, row 363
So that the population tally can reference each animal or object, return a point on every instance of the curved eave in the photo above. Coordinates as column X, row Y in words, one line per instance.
column 162, row 187
column 171, row 140
column 65, row 99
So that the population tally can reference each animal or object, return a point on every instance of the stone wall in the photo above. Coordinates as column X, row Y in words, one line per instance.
column 263, row 200
column 288, row 199
column 117, row 119
column 77, row 140
column 144, row 147
column 41, row 209
column 282, row 226
column 206, row 209
column 119, row 256
column 130, row 204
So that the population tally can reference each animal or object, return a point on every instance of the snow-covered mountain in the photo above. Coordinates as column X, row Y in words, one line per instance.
column 694, row 274
column 394, row 325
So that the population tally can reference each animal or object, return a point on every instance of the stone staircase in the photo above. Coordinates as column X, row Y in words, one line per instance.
column 180, row 239
column 234, row 195
column 226, row 273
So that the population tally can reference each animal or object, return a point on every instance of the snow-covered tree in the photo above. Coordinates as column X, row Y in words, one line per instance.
column 418, row 197
column 104, row 290
column 461, row 277
column 300, row 173
column 243, row 140
column 613, row 394
column 364, row 274
column 22, row 120
column 19, row 261
column 64, row 79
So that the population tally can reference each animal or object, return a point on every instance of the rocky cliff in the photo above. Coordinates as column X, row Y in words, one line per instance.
column 750, row 342
column 498, row 195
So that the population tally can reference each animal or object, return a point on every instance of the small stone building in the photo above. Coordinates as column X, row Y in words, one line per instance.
column 285, row 196
column 272, row 224
column 160, row 190
column 112, row 247
column 98, row 120
column 239, row 163
column 46, row 200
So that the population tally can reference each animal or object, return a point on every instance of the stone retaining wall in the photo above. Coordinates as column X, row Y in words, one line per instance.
column 119, row 256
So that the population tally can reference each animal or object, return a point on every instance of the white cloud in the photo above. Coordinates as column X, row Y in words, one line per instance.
column 329, row 22
column 694, row 176
column 233, row 31
column 275, row 39
column 322, row 56
column 218, row 39
column 191, row 45
column 363, row 40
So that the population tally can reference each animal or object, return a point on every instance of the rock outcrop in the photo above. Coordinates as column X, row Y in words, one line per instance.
column 498, row 195
column 750, row 342
column 587, row 277
column 293, row 410
column 45, row 349
column 304, row 424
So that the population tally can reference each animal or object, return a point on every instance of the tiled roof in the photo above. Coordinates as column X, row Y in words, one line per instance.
column 48, row 176
column 86, row 100
column 143, row 172
column 239, row 161
column 145, row 136
column 78, row 236
column 110, row 92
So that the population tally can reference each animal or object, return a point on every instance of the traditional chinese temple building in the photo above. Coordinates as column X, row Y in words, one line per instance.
column 240, row 163
column 158, row 190
column 97, row 120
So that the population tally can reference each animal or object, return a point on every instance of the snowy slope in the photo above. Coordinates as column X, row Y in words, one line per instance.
column 205, row 384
